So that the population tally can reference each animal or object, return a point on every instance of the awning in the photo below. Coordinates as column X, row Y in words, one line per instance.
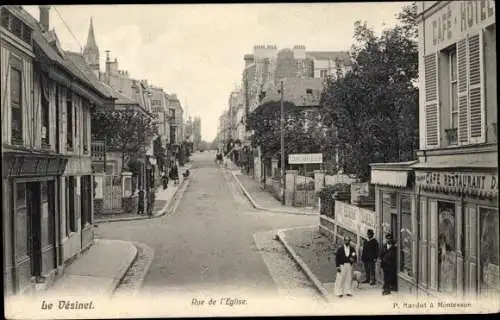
column 390, row 178
column 394, row 174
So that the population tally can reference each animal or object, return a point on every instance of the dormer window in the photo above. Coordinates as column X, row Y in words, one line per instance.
column 15, row 25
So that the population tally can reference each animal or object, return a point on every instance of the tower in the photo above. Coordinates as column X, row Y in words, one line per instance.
column 91, row 51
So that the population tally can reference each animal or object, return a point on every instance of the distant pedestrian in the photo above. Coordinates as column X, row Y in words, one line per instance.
column 369, row 257
column 344, row 259
column 164, row 180
column 174, row 173
column 388, row 263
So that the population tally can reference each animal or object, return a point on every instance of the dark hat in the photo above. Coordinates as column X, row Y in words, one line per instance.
column 370, row 232
column 388, row 236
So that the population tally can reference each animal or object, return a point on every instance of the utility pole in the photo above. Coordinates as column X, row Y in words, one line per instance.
column 282, row 132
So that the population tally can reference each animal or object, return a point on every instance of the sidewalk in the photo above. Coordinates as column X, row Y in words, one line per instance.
column 98, row 271
column 263, row 200
column 315, row 254
column 163, row 198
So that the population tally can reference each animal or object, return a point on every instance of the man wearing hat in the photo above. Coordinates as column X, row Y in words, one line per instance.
column 388, row 263
column 369, row 257
column 344, row 259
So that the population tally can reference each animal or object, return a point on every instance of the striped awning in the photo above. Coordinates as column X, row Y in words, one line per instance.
column 391, row 178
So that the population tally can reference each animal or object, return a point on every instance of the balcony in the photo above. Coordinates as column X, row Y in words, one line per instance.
column 98, row 149
column 452, row 136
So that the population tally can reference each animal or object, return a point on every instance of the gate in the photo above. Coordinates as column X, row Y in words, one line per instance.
column 304, row 194
column 112, row 192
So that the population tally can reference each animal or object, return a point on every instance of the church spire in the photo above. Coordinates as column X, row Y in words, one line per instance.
column 91, row 43
column 91, row 51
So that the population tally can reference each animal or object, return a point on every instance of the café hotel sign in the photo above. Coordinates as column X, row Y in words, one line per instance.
column 456, row 20
column 470, row 183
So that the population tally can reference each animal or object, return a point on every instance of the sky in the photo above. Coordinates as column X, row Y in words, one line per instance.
column 196, row 51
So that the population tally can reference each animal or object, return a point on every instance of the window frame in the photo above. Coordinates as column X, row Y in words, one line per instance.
column 71, row 226
column 478, row 246
column 15, row 65
column 453, row 81
column 70, row 143
column 45, row 118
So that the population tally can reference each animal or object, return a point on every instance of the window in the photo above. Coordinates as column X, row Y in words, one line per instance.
column 452, row 58
column 489, row 263
column 5, row 19
column 16, row 104
column 45, row 113
column 323, row 73
column 85, row 126
column 70, row 205
column 447, row 261
column 171, row 114
column 69, row 123
column 16, row 26
column 406, row 245
column 58, row 93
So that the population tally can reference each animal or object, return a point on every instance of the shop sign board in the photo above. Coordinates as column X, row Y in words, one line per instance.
column 455, row 21
column 460, row 180
column 305, row 158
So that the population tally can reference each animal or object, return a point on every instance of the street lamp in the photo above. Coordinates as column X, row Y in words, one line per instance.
column 282, row 132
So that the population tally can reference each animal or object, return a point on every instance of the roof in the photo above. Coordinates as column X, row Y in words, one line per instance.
column 40, row 37
column 407, row 165
column 296, row 91
column 329, row 55
column 79, row 63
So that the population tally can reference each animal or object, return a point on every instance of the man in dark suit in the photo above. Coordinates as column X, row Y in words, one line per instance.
column 369, row 257
column 344, row 259
column 388, row 263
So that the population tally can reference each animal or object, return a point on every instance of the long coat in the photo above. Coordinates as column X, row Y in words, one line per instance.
column 370, row 250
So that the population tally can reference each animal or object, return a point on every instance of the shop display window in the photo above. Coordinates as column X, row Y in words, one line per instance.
column 489, row 277
column 447, row 262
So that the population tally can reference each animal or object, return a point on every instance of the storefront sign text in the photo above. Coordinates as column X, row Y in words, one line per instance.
column 452, row 22
column 458, row 180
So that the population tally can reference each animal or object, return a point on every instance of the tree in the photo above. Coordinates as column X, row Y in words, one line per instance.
column 126, row 131
column 302, row 133
column 373, row 108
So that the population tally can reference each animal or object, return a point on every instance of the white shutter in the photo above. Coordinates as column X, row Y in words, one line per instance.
column 463, row 101
column 431, row 66
column 476, row 99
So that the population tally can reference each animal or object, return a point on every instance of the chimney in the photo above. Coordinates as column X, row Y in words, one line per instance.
column 44, row 16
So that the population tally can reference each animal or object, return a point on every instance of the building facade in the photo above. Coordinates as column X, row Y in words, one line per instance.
column 452, row 215
column 46, row 164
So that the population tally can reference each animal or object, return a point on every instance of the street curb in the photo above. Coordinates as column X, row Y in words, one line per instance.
column 319, row 286
column 259, row 207
column 151, row 255
column 117, row 280
column 160, row 213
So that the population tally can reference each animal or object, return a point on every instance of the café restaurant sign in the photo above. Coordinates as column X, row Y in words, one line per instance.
column 458, row 181
column 455, row 21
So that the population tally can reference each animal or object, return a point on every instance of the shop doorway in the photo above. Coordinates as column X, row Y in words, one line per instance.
column 35, row 227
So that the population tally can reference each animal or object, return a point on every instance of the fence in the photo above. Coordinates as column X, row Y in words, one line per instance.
column 339, row 178
column 112, row 192
column 304, row 193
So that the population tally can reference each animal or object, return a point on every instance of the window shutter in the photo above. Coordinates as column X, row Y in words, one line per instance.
column 431, row 99
column 476, row 100
column 463, row 105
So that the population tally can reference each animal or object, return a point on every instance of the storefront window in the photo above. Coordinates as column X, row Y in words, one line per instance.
column 489, row 277
column 405, row 258
column 22, row 222
column 447, row 265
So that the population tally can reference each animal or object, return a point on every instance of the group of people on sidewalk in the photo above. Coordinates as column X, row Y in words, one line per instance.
column 345, row 259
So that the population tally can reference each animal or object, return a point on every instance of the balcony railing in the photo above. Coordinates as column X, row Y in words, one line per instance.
column 452, row 136
column 98, row 149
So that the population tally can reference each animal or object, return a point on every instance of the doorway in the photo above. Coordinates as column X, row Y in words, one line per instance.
column 35, row 227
